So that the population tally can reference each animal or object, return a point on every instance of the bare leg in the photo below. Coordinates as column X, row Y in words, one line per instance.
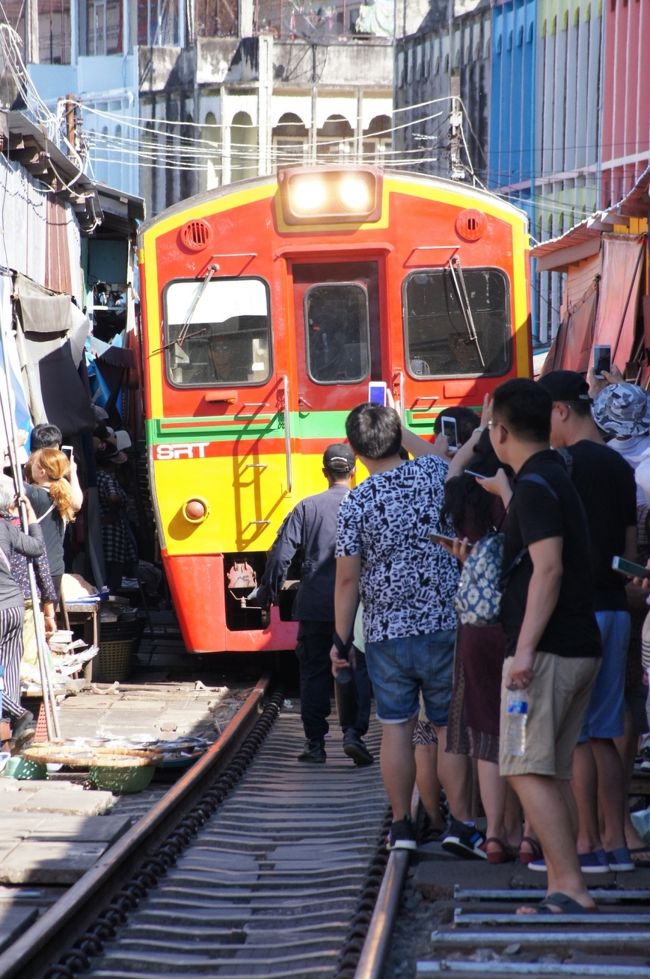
column 585, row 791
column 454, row 774
column 428, row 783
column 493, row 796
column 626, row 746
column 546, row 804
column 398, row 766
column 612, row 801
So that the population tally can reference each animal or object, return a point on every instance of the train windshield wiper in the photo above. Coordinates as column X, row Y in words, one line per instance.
column 463, row 299
column 182, row 336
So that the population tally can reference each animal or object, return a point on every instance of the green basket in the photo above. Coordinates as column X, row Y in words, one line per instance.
column 113, row 661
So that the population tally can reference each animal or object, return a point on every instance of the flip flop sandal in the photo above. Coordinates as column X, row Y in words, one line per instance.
column 640, row 849
column 558, row 903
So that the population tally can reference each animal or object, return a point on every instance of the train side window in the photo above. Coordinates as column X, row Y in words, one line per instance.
column 449, row 337
column 217, row 333
column 337, row 335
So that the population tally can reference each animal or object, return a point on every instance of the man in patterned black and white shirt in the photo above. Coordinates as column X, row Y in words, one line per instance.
column 407, row 586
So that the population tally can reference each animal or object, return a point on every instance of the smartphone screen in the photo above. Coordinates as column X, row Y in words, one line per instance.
column 602, row 359
column 377, row 393
column 450, row 431
column 630, row 567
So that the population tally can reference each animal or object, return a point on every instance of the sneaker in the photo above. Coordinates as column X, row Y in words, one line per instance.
column 402, row 835
column 596, row 862
column 313, row 753
column 464, row 841
column 355, row 748
column 619, row 859
column 538, row 865
column 24, row 728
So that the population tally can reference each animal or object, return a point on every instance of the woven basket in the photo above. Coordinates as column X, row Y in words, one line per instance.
column 113, row 661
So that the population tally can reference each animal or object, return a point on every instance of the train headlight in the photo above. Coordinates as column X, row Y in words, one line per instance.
column 356, row 194
column 330, row 194
column 308, row 196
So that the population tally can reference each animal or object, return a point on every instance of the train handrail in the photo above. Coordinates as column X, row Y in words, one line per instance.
column 287, row 431
column 399, row 404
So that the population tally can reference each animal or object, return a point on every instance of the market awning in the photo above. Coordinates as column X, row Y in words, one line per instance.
column 583, row 240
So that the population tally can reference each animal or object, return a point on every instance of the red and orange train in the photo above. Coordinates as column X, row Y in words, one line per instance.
column 268, row 307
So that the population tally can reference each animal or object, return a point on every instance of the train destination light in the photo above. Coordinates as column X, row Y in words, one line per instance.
column 330, row 194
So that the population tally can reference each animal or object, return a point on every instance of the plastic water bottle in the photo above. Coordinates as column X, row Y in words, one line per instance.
column 344, row 676
column 516, row 718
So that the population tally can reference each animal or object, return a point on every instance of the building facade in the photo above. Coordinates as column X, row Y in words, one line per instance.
column 169, row 98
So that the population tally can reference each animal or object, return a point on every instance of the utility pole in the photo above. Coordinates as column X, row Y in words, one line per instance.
column 32, row 55
column 313, row 129
column 456, row 165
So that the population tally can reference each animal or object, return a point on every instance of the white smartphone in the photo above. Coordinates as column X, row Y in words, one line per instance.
column 377, row 393
column 630, row 568
column 449, row 430
column 68, row 450
column 602, row 359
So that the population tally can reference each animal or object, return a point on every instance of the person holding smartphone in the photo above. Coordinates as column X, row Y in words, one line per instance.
column 605, row 484
column 553, row 646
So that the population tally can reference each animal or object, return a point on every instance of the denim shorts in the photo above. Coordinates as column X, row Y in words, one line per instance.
column 401, row 668
column 606, row 710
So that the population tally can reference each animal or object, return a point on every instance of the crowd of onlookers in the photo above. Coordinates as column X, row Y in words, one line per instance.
column 560, row 469
column 52, row 499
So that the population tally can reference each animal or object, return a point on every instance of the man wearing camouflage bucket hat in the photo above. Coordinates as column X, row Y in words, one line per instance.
column 622, row 412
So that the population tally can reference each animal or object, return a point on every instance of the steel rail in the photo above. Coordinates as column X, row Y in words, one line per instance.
column 377, row 943
column 62, row 924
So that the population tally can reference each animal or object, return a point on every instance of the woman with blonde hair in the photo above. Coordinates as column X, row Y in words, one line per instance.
column 51, row 496
column 12, row 606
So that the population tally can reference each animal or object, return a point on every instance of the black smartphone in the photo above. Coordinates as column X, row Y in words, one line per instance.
column 470, row 472
column 630, row 568
column 602, row 359
column 449, row 430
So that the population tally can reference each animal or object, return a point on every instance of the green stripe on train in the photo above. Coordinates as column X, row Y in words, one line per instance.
column 312, row 425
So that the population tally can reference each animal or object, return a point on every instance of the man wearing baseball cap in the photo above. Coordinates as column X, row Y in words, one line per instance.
column 311, row 526
column 605, row 484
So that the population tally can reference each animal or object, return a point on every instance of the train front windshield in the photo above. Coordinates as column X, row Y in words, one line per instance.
column 457, row 323
column 217, row 332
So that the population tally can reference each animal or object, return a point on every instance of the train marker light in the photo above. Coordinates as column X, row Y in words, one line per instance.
column 330, row 194
column 195, row 510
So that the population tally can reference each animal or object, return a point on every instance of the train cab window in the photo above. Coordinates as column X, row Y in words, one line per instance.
column 337, row 343
column 457, row 323
column 217, row 332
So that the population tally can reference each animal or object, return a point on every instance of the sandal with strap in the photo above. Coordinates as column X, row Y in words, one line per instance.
column 533, row 851
column 503, row 852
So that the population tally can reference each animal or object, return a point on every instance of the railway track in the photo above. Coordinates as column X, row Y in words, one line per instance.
column 251, row 865
column 254, row 865
column 485, row 937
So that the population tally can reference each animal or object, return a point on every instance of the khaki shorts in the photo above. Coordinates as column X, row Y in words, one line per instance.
column 557, row 700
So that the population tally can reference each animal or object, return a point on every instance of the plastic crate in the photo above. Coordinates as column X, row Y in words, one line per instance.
column 113, row 661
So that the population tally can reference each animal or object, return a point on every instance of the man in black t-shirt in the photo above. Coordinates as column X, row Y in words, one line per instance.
column 606, row 486
column 553, row 644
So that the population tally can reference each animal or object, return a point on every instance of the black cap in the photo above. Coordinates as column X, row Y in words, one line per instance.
column 338, row 458
column 565, row 386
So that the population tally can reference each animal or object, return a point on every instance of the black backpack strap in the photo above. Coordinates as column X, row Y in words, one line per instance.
column 536, row 478
column 567, row 458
